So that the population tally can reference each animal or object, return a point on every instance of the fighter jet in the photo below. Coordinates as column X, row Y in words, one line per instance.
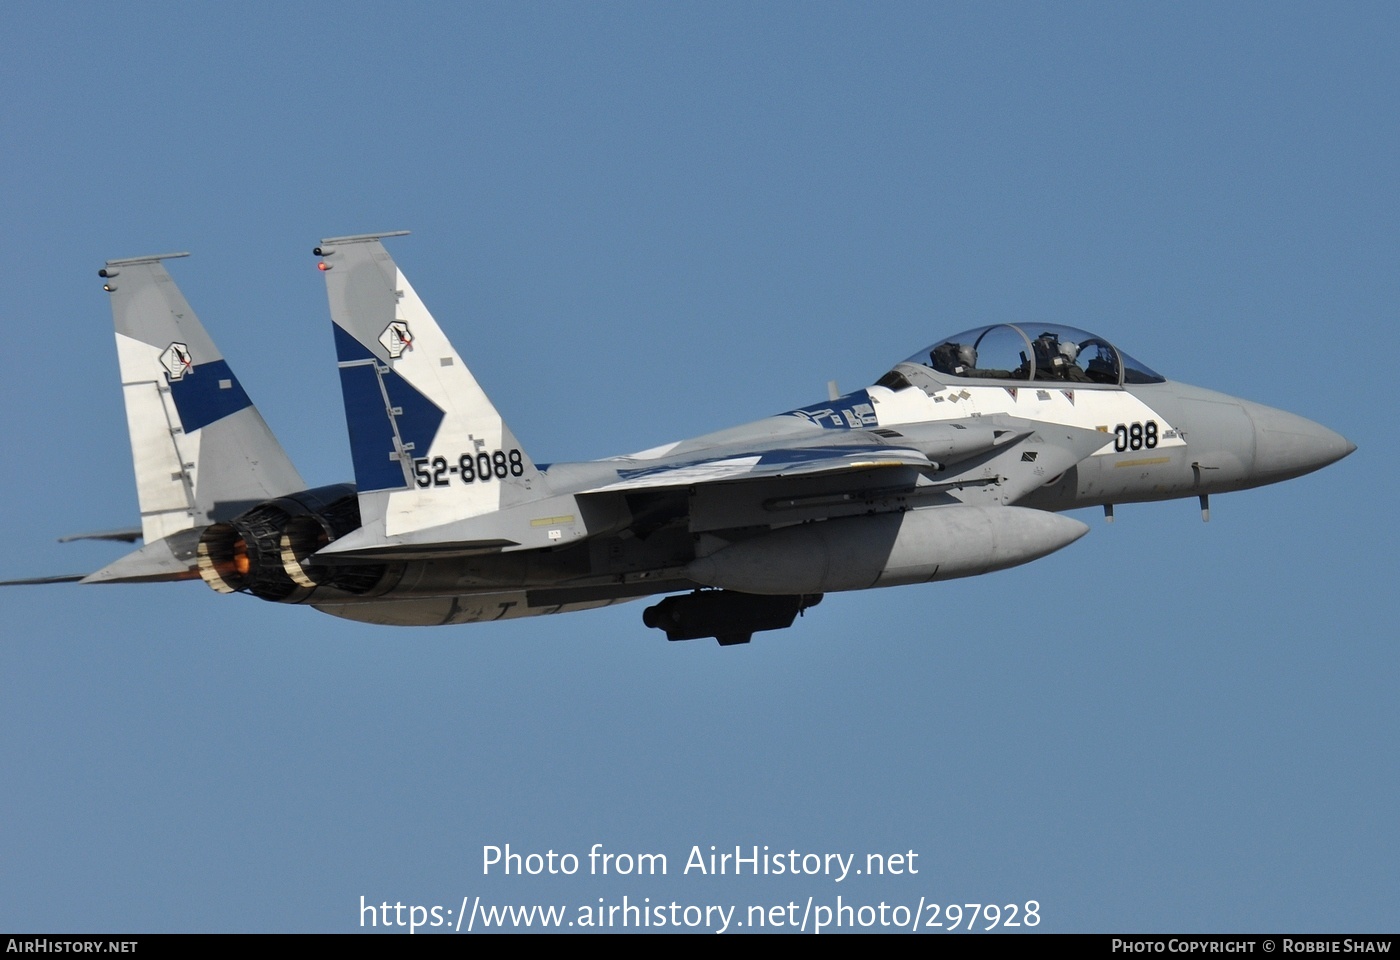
column 959, row 461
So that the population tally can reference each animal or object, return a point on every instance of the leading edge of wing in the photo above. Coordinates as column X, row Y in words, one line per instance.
column 778, row 462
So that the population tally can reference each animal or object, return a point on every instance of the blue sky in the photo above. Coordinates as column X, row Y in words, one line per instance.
column 641, row 222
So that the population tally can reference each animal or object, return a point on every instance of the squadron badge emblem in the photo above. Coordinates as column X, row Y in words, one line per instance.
column 396, row 339
column 176, row 360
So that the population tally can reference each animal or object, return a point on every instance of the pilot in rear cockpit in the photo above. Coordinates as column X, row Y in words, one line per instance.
column 1055, row 359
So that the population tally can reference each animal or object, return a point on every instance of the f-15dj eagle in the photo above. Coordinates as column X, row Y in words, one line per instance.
column 952, row 464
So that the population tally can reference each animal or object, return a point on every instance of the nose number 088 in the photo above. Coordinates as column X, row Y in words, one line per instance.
column 1135, row 436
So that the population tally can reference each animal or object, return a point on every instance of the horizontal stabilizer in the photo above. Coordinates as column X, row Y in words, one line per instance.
column 550, row 522
column 36, row 581
column 173, row 558
column 165, row 560
column 124, row 536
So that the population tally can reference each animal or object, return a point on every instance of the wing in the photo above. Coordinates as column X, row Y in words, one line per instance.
column 766, row 465
column 1019, row 455
column 1005, row 463
column 928, row 448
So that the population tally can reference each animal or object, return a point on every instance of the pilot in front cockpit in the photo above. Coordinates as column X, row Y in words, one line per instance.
column 959, row 359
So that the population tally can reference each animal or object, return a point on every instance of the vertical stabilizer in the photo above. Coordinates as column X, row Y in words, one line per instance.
column 428, row 445
column 201, row 450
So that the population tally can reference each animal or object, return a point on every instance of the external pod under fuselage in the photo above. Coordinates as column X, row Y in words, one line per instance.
column 915, row 546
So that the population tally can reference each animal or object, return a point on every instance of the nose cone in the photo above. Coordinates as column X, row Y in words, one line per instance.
column 1287, row 445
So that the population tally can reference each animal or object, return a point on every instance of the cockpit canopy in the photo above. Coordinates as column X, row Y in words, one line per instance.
column 1040, row 352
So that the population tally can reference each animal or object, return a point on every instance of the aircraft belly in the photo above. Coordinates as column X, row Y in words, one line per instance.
column 441, row 611
column 469, row 575
column 855, row 553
